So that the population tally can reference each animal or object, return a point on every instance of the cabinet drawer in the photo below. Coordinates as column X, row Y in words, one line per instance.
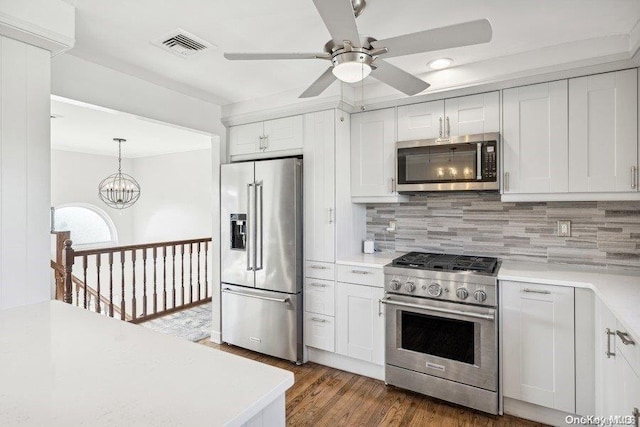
column 319, row 296
column 631, row 350
column 319, row 331
column 319, row 270
column 361, row 275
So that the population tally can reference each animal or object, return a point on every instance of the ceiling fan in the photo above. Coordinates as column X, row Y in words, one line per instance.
column 353, row 59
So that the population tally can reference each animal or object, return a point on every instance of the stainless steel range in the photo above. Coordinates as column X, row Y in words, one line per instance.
column 442, row 327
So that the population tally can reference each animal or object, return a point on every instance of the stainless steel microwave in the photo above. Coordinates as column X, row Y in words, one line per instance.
column 454, row 164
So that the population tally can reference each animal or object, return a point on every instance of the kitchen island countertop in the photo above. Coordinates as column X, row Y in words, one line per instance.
column 61, row 365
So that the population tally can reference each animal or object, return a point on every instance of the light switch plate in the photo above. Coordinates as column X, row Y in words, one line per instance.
column 564, row 228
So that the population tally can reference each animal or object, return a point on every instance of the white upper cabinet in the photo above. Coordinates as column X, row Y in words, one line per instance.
column 603, row 132
column 272, row 136
column 469, row 115
column 245, row 139
column 373, row 169
column 535, row 148
column 538, row 344
column 465, row 115
column 319, row 186
column 421, row 121
column 284, row 134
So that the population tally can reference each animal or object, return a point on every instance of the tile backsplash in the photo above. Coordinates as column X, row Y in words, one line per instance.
column 605, row 234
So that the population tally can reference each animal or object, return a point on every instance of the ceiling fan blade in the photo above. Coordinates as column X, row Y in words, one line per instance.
column 465, row 34
column 319, row 86
column 262, row 56
column 397, row 78
column 340, row 21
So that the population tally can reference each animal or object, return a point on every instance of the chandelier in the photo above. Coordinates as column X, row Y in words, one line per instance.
column 119, row 190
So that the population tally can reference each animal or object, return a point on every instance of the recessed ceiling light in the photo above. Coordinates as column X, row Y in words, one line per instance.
column 439, row 64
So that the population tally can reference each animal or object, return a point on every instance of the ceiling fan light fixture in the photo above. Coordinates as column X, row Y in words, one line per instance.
column 352, row 66
column 439, row 64
column 351, row 72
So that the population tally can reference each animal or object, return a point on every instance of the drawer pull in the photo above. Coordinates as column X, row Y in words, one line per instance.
column 626, row 339
column 360, row 272
column 318, row 285
column 536, row 291
column 318, row 267
column 609, row 353
column 315, row 319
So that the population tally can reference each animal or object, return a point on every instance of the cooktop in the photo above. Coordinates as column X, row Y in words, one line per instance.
column 444, row 262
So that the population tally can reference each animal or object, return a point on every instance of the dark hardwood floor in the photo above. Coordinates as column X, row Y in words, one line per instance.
column 323, row 396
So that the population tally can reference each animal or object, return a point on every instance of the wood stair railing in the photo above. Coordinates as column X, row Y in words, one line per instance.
column 168, row 285
column 80, row 286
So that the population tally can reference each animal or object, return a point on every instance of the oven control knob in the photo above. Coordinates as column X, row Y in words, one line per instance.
column 462, row 293
column 434, row 290
column 395, row 285
column 480, row 296
column 410, row 287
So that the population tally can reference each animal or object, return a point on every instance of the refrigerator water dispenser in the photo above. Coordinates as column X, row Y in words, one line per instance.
column 239, row 231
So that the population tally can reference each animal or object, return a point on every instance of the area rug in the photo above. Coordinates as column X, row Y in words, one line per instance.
column 193, row 324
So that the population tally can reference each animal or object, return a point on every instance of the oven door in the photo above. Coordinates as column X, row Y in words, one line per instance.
column 453, row 341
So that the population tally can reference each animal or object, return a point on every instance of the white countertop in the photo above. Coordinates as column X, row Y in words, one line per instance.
column 619, row 290
column 63, row 366
column 375, row 260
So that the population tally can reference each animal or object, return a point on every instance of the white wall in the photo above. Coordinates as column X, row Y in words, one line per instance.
column 75, row 178
column 24, row 174
column 176, row 201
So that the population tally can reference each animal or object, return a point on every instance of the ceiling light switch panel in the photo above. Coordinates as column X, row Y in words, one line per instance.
column 564, row 228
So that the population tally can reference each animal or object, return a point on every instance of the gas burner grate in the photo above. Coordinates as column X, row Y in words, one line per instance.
column 444, row 262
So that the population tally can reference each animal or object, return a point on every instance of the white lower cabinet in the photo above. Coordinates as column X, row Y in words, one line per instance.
column 617, row 367
column 538, row 344
column 319, row 331
column 627, row 393
column 360, row 322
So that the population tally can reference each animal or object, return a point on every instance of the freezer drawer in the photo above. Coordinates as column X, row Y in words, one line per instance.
column 263, row 321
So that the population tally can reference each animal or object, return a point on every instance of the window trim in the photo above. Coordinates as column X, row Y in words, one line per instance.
column 102, row 214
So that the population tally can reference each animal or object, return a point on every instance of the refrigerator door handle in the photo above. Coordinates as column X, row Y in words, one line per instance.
column 243, row 294
column 250, row 265
column 259, row 228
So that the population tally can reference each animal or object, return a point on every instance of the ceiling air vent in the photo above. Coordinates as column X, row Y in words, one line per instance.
column 183, row 44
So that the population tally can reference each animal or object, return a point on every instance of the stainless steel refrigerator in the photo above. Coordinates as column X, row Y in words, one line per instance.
column 261, row 256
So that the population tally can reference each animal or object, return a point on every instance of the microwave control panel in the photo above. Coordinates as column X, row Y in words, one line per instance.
column 489, row 161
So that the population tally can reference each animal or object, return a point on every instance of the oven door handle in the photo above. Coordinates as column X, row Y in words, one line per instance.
column 489, row 316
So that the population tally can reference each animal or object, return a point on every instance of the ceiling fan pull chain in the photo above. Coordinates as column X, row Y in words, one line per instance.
column 362, row 86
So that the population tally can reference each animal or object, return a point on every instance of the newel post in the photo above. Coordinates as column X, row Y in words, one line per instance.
column 67, row 258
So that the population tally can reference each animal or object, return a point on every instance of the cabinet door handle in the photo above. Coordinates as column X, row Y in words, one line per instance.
column 506, row 181
column 536, row 291
column 440, row 120
column 625, row 338
column 634, row 177
column 330, row 215
column 379, row 308
column 393, row 185
column 448, row 127
column 318, row 285
column 360, row 272
column 266, row 142
column 609, row 353
column 318, row 320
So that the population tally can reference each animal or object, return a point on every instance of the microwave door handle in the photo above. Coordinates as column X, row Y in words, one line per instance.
column 479, row 161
